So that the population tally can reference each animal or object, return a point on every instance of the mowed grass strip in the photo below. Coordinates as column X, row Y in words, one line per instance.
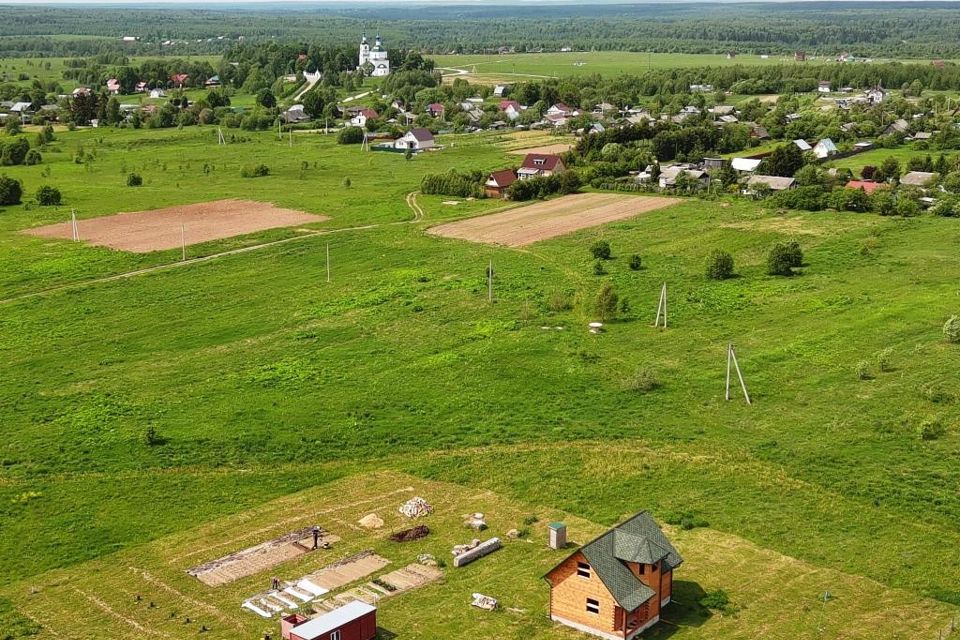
column 543, row 220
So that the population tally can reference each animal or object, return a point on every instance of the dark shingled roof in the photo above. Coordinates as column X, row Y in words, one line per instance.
column 639, row 539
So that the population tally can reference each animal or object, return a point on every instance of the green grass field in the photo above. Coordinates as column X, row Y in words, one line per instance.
column 261, row 379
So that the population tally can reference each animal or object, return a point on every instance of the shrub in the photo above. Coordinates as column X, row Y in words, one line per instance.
column 863, row 371
column 931, row 429
column 350, row 135
column 48, row 196
column 10, row 191
column 254, row 171
column 686, row 520
column 635, row 262
column 719, row 265
column 716, row 600
column 33, row 157
column 784, row 258
column 883, row 359
column 907, row 207
column 643, row 380
column 951, row 329
column 152, row 437
column 15, row 152
column 531, row 519
column 598, row 268
column 134, row 180
column 346, row 183
column 605, row 303
column 600, row 250
column 453, row 183
column 559, row 301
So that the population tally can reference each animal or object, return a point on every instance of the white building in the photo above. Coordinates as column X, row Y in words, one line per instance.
column 376, row 56
column 416, row 139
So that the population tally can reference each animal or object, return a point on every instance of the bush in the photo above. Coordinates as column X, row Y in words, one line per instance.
column 48, row 196
column 453, row 183
column 931, row 429
column 635, row 262
column 951, row 329
column 254, row 171
column 863, row 371
column 719, row 265
column 152, row 437
column 784, row 258
column 600, row 250
column 598, row 268
column 642, row 381
column 134, row 180
column 346, row 183
column 606, row 301
column 350, row 135
column 686, row 520
column 33, row 157
column 10, row 191
column 531, row 519
column 559, row 301
column 883, row 360
column 907, row 207
column 716, row 600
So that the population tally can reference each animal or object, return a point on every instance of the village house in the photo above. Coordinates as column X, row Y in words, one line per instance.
column 616, row 585
column 362, row 115
column 500, row 90
column 295, row 114
column 81, row 91
column 771, row 183
column 897, row 126
column 825, row 148
column 354, row 621
column 823, row 86
column 560, row 109
column 875, row 95
column 179, row 79
column 213, row 82
column 113, row 86
column 668, row 176
column 141, row 87
column 511, row 108
column 435, row 109
column 918, row 178
column 867, row 187
column 497, row 183
column 540, row 165
column 157, row 93
column 745, row 165
column 803, row 145
column 417, row 139
column 701, row 88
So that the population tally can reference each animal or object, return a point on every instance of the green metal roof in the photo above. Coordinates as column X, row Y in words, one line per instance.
column 556, row 525
column 639, row 539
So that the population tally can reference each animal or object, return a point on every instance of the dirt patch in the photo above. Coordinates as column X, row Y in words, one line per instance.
column 159, row 229
column 559, row 147
column 532, row 223
column 258, row 558
column 409, row 535
column 409, row 577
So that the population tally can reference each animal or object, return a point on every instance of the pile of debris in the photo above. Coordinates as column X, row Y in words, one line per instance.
column 484, row 602
column 415, row 507
column 464, row 554
column 427, row 560
column 475, row 521
column 371, row 521
column 409, row 535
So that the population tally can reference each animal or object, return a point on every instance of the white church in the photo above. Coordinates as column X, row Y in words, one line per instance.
column 377, row 56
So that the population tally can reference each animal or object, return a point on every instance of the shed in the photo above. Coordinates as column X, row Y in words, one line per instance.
column 774, row 183
column 497, row 183
column 745, row 165
column 354, row 621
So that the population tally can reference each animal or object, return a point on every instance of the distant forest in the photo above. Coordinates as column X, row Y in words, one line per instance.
column 888, row 29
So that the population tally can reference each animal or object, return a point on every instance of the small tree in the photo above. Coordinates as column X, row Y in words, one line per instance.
column 606, row 302
column 10, row 190
column 598, row 268
column 408, row 154
column 48, row 196
column 346, row 183
column 951, row 329
column 635, row 262
column 784, row 258
column 719, row 265
column 600, row 250
column 350, row 135
column 254, row 171
column 134, row 180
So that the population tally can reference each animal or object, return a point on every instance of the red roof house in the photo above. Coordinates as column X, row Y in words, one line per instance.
column 869, row 187
column 436, row 109
column 506, row 104
column 537, row 165
column 179, row 79
column 496, row 185
column 354, row 621
column 113, row 85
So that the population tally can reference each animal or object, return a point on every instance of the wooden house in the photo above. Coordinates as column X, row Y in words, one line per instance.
column 354, row 621
column 616, row 585
column 497, row 183
column 540, row 165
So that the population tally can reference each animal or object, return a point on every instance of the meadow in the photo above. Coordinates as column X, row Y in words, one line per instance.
column 256, row 378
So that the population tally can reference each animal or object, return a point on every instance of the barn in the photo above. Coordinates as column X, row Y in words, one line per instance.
column 354, row 621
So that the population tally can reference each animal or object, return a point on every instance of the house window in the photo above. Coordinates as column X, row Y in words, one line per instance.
column 593, row 606
column 583, row 570
column 335, row 635
column 538, row 161
column 653, row 568
column 643, row 568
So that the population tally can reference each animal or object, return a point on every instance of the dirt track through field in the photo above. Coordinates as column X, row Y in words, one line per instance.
column 532, row 223
column 159, row 229
column 560, row 147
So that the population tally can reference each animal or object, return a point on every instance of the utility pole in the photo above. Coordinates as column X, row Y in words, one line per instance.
column 490, row 281
column 73, row 225
column 732, row 360
column 662, row 307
